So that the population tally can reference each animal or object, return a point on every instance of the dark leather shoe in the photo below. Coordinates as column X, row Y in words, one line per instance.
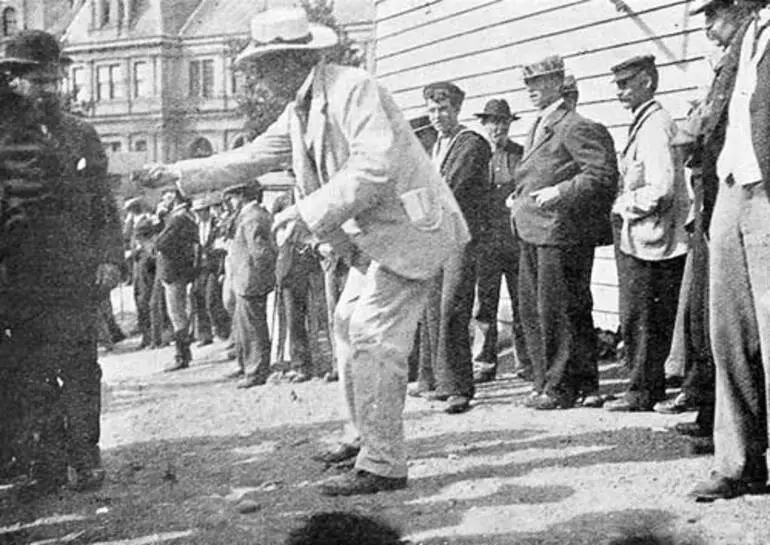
column 626, row 406
column 338, row 453
column 719, row 487
column 360, row 482
column 548, row 402
column 457, row 405
column 205, row 342
column 178, row 366
column 235, row 374
column 432, row 395
column 692, row 429
column 680, row 404
column 418, row 390
column 592, row 401
column 531, row 400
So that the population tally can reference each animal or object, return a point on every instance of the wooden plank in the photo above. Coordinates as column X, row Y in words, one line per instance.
column 566, row 30
column 391, row 26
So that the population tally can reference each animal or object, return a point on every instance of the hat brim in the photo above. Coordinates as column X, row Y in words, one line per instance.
column 321, row 38
column 483, row 116
column 542, row 74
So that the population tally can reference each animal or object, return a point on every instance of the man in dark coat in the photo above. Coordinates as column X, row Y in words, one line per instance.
column 703, row 136
column 498, row 255
column 462, row 158
column 176, row 246
column 565, row 184
column 69, row 246
column 252, row 266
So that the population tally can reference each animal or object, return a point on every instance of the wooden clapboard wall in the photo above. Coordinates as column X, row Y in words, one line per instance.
column 481, row 44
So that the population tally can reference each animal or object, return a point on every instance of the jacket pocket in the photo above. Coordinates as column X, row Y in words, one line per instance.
column 423, row 208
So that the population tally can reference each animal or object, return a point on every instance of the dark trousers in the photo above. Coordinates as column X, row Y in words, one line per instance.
column 648, row 292
column 446, row 360
column 50, row 357
column 555, row 304
column 295, row 295
column 497, row 259
column 252, row 337
column 699, row 363
column 209, row 312
column 144, row 279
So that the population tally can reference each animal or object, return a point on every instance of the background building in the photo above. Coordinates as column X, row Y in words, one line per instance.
column 154, row 76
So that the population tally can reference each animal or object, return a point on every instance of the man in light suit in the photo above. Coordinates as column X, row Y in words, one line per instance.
column 367, row 187
column 649, row 216
column 739, row 284
column 565, row 183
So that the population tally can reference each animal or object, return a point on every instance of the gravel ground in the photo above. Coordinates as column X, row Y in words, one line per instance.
column 193, row 460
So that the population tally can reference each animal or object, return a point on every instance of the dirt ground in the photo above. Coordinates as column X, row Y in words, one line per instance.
column 186, row 453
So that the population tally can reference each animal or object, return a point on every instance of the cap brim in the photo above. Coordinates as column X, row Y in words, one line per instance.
column 482, row 116
column 541, row 74
column 321, row 38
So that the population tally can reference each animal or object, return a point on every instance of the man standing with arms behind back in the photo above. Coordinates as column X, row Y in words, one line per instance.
column 367, row 187
column 566, row 182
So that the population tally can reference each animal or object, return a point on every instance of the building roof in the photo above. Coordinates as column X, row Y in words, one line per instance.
column 233, row 17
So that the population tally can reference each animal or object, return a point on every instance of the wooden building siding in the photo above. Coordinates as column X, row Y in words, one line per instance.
column 481, row 45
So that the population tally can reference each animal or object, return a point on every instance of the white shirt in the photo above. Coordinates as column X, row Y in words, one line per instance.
column 544, row 113
column 738, row 156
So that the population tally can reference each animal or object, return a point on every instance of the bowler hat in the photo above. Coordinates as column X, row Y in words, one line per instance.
column 631, row 67
column 285, row 29
column 497, row 107
column 547, row 66
column 34, row 48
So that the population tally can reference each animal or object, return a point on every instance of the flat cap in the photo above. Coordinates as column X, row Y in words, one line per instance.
column 441, row 90
column 549, row 65
column 631, row 67
column 248, row 188
column 497, row 107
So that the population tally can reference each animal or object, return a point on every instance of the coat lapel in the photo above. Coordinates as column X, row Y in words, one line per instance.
column 315, row 132
column 546, row 132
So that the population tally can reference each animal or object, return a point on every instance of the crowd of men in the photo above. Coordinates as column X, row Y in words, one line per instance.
column 415, row 224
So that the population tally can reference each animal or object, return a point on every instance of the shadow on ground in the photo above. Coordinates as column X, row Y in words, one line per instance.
column 198, row 484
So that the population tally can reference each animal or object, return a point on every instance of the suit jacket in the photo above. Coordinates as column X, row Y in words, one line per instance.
column 363, row 177
column 56, row 175
column 465, row 169
column 501, row 187
column 576, row 155
column 176, row 247
column 711, row 137
column 653, row 201
column 252, row 254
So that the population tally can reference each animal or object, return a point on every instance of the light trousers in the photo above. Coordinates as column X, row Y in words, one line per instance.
column 374, row 327
column 740, row 328
column 176, row 303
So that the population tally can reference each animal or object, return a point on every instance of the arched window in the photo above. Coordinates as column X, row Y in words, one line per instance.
column 201, row 148
column 106, row 5
column 9, row 22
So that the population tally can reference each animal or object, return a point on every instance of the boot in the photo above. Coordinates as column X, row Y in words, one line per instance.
column 182, row 356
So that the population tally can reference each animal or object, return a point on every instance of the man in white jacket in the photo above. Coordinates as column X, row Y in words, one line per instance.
column 368, row 189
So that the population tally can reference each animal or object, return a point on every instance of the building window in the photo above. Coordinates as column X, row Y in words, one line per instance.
column 105, row 12
column 77, row 82
column 9, row 22
column 140, row 145
column 202, row 78
column 142, row 80
column 113, row 147
column 109, row 82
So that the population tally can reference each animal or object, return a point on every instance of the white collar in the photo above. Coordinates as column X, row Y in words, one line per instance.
column 551, row 108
